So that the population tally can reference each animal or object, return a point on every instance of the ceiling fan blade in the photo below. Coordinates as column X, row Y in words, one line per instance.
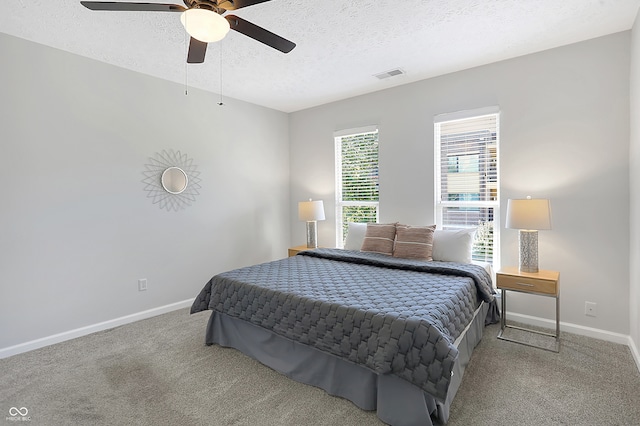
column 260, row 34
column 127, row 6
column 197, row 50
column 238, row 4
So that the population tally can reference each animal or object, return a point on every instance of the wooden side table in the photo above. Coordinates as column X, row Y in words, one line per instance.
column 542, row 283
column 297, row 249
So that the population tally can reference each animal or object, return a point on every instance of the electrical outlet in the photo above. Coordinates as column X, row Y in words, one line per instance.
column 590, row 309
column 142, row 284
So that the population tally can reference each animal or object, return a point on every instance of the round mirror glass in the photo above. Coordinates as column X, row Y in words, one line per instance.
column 174, row 180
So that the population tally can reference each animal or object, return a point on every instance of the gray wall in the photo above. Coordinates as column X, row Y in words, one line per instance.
column 564, row 136
column 635, row 187
column 77, row 227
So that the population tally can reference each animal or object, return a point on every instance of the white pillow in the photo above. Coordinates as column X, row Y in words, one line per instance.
column 355, row 236
column 453, row 245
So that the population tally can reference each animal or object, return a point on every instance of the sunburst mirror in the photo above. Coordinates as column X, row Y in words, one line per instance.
column 171, row 180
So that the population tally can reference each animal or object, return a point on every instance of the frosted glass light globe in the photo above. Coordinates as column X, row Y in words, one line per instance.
column 204, row 25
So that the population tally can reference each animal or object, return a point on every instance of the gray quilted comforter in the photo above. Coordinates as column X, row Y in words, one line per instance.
column 394, row 316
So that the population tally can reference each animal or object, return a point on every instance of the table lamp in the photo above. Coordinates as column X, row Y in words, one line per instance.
column 529, row 216
column 311, row 211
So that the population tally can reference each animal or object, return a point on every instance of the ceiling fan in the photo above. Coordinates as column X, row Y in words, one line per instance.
column 204, row 22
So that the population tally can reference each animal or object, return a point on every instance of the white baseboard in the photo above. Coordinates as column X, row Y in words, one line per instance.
column 634, row 351
column 83, row 331
column 581, row 330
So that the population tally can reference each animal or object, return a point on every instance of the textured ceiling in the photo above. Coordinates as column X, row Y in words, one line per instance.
column 340, row 44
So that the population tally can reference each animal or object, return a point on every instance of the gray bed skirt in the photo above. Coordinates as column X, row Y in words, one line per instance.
column 396, row 401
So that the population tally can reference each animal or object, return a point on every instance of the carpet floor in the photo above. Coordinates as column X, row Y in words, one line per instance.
column 159, row 372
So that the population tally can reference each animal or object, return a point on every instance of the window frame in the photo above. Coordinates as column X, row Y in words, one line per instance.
column 440, row 205
column 339, row 202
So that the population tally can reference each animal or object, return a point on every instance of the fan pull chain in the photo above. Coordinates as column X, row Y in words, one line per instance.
column 220, row 71
column 186, row 65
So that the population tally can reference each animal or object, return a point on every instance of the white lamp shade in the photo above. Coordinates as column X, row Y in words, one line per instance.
column 530, row 214
column 204, row 25
column 310, row 210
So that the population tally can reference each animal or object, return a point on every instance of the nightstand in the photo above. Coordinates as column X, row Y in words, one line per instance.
column 297, row 249
column 542, row 283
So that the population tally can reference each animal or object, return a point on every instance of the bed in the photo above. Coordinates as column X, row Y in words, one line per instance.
column 390, row 334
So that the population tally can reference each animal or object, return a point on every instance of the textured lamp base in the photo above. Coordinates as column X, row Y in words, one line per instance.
column 312, row 234
column 528, row 250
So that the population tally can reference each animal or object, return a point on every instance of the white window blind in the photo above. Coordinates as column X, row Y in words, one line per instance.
column 467, row 180
column 357, row 190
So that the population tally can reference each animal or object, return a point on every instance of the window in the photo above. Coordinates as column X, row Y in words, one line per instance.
column 357, row 191
column 467, row 177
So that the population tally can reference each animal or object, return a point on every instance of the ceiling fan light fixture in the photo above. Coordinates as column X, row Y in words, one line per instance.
column 204, row 25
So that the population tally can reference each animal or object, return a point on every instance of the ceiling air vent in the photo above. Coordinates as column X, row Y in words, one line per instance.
column 389, row 74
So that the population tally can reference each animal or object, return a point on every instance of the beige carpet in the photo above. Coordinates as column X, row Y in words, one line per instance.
column 159, row 372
